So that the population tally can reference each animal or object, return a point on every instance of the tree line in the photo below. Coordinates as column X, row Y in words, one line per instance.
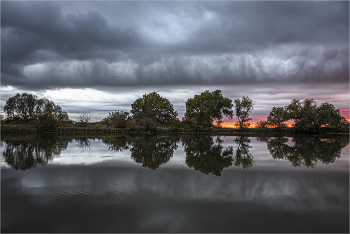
column 203, row 111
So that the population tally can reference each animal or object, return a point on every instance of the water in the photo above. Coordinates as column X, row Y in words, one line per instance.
column 174, row 184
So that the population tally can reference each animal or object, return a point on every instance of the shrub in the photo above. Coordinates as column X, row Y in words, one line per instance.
column 148, row 124
column 131, row 124
column 121, row 123
column 47, row 122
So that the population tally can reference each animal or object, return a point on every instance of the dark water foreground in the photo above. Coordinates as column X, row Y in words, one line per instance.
column 174, row 184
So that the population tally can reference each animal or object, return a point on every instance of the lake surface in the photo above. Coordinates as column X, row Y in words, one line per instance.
column 173, row 183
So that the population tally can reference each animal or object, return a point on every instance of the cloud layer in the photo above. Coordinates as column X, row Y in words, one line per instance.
column 48, row 45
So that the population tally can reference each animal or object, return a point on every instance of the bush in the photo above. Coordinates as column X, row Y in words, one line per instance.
column 121, row 123
column 47, row 122
column 148, row 124
column 131, row 124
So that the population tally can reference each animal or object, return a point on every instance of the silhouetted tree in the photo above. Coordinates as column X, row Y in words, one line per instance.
column 243, row 107
column 308, row 116
column 277, row 116
column 84, row 118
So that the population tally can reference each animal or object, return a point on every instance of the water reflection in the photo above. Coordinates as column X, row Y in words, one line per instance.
column 207, row 156
column 153, row 151
column 203, row 153
column 306, row 150
column 116, row 144
column 25, row 152
column 243, row 158
column 83, row 143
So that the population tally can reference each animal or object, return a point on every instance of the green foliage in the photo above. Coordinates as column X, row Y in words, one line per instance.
column 47, row 122
column 131, row 124
column 114, row 116
column 277, row 116
column 148, row 124
column 309, row 117
column 121, row 123
column 204, row 109
column 154, row 107
column 243, row 107
column 18, row 128
column 27, row 107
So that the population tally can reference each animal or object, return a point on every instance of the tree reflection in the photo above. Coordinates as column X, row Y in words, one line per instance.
column 207, row 156
column 117, row 144
column 243, row 158
column 83, row 143
column 27, row 152
column 153, row 151
column 306, row 150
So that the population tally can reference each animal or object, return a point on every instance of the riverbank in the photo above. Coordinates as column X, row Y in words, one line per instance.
column 25, row 128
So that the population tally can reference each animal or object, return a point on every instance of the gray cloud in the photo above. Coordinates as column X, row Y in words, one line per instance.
column 49, row 45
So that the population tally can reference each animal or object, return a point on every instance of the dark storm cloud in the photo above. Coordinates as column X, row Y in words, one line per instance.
column 90, row 44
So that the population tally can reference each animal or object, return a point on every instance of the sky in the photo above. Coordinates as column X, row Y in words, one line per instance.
column 99, row 57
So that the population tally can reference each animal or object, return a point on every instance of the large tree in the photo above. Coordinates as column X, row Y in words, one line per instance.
column 204, row 109
column 308, row 116
column 29, row 107
column 243, row 107
column 153, row 106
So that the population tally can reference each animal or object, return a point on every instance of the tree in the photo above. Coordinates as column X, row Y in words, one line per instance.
column 84, row 118
column 154, row 107
column 243, row 107
column 204, row 109
column 114, row 116
column 277, row 116
column 308, row 116
column 27, row 107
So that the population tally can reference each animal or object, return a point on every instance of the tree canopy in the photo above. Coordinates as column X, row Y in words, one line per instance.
column 115, row 116
column 154, row 107
column 277, row 116
column 308, row 116
column 204, row 109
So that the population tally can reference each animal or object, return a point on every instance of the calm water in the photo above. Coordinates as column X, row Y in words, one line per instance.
column 174, row 184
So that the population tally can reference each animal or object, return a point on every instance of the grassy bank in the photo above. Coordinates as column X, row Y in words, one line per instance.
column 98, row 129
